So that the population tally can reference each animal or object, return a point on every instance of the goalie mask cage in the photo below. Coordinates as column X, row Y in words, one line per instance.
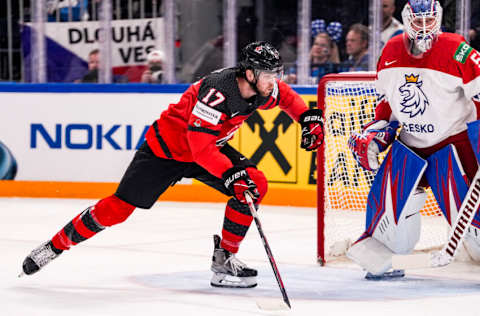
column 348, row 102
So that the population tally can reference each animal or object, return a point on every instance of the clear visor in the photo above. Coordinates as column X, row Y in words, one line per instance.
column 269, row 75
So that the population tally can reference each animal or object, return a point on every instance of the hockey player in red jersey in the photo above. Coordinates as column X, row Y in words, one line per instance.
column 429, row 85
column 189, row 140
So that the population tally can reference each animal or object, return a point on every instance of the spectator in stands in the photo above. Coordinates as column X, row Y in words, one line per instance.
column 154, row 71
column 279, row 26
column 288, row 45
column 391, row 26
column 123, row 9
column 347, row 12
column 449, row 20
column 333, row 34
column 10, row 42
column 92, row 75
column 449, row 15
column 324, row 59
column 324, row 50
column 357, row 48
column 93, row 62
column 65, row 11
column 208, row 58
column 324, row 56
column 474, row 33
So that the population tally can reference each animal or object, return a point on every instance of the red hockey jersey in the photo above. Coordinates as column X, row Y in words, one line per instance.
column 207, row 116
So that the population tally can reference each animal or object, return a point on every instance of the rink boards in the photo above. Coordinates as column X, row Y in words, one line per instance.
column 72, row 140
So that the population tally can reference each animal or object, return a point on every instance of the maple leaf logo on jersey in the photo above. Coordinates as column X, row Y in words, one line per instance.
column 414, row 100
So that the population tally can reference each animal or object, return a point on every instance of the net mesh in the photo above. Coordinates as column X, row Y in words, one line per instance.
column 348, row 106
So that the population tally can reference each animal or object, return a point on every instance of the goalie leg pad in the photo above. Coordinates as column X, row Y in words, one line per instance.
column 394, row 201
column 393, row 205
column 447, row 179
column 472, row 238
column 473, row 131
column 372, row 255
column 402, row 236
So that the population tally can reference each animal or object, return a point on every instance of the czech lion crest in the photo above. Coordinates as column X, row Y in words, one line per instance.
column 414, row 101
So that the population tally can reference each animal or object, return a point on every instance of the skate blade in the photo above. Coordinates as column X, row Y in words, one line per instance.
column 21, row 274
column 228, row 281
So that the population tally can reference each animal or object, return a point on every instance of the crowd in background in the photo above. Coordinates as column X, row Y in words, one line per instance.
column 339, row 34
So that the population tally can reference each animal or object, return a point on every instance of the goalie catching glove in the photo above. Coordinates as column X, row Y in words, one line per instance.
column 375, row 138
column 312, row 129
column 237, row 181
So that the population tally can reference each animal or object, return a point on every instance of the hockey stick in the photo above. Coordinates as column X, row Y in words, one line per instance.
column 253, row 210
column 441, row 258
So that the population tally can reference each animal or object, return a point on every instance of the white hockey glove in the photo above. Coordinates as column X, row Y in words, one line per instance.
column 375, row 138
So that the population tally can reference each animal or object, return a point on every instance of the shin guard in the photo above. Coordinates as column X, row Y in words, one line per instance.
column 237, row 215
column 106, row 212
column 474, row 136
column 82, row 227
column 235, row 225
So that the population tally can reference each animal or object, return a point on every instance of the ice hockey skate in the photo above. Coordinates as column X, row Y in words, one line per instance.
column 39, row 257
column 228, row 271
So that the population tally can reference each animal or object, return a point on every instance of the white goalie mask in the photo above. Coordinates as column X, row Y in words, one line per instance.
column 422, row 20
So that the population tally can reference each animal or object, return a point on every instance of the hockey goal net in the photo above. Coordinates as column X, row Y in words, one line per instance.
column 348, row 101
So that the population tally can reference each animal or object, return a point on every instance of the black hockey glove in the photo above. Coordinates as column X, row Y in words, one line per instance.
column 237, row 181
column 312, row 129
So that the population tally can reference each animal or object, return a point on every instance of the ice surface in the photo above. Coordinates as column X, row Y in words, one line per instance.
column 157, row 263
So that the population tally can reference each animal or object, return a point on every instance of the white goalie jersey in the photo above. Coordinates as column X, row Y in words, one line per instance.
column 432, row 97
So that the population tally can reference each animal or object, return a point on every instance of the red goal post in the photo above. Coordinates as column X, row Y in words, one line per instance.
column 348, row 102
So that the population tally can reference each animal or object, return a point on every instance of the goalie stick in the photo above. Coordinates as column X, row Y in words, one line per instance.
column 441, row 258
column 267, row 305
